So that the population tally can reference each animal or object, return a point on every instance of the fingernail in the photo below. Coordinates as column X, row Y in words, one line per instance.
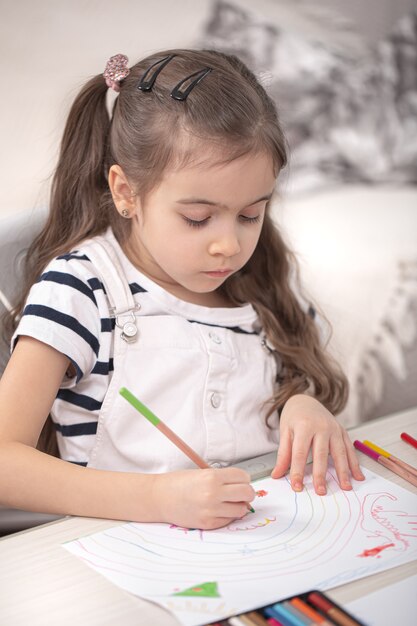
column 298, row 486
column 321, row 490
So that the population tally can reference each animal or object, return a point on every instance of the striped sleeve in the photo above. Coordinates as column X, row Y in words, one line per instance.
column 62, row 311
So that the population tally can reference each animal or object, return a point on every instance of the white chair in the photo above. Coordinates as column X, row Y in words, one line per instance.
column 16, row 233
column 17, row 230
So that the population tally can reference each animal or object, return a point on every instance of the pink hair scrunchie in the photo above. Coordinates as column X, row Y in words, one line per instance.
column 116, row 71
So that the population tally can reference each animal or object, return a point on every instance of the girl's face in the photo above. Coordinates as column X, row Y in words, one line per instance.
column 201, row 225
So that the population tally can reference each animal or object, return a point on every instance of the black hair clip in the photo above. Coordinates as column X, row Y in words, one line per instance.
column 177, row 94
column 146, row 85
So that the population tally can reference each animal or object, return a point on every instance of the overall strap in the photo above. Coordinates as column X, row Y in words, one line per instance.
column 109, row 269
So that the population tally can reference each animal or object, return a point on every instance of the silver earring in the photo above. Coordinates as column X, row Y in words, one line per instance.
column 125, row 213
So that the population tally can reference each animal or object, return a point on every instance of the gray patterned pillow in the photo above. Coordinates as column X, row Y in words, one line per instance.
column 347, row 119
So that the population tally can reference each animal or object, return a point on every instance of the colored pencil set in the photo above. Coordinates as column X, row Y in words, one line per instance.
column 312, row 607
column 388, row 460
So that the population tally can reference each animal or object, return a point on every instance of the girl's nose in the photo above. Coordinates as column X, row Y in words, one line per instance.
column 226, row 244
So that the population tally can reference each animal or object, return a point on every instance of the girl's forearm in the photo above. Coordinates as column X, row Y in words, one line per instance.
column 35, row 481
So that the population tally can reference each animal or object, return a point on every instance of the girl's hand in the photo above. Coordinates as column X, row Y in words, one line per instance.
column 306, row 423
column 206, row 499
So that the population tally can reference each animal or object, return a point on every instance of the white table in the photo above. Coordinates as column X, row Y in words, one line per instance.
column 41, row 584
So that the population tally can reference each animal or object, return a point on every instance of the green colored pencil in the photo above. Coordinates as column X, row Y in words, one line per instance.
column 165, row 430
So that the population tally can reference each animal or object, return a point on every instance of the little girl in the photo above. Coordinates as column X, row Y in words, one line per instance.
column 160, row 269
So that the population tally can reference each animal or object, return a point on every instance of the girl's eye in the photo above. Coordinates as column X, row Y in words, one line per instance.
column 250, row 220
column 199, row 223
column 195, row 223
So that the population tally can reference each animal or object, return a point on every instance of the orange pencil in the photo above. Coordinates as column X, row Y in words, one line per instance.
column 388, row 455
column 165, row 430
column 304, row 608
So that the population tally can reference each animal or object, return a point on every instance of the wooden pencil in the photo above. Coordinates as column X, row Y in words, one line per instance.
column 165, row 430
column 400, row 471
column 388, row 455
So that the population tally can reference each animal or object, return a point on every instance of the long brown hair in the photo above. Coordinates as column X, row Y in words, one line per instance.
column 228, row 109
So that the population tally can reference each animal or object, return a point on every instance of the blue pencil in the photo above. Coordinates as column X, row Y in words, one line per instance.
column 303, row 618
column 279, row 612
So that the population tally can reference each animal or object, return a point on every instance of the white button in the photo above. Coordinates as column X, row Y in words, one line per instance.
column 216, row 465
column 215, row 400
column 130, row 329
column 215, row 337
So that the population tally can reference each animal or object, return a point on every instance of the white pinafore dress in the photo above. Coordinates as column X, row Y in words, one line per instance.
column 207, row 380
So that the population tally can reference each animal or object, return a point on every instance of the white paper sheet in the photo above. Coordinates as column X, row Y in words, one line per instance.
column 395, row 604
column 292, row 543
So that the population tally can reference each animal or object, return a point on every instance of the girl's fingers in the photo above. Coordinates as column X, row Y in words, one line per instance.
column 299, row 456
column 320, row 461
column 284, row 455
column 340, row 459
column 233, row 475
column 216, row 522
column 238, row 493
column 352, row 458
column 232, row 510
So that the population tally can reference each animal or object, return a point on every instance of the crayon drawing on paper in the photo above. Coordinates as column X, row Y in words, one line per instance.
column 292, row 543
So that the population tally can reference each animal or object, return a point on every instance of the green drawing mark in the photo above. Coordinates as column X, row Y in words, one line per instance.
column 208, row 590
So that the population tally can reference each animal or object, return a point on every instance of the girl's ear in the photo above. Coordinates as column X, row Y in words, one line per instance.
column 123, row 195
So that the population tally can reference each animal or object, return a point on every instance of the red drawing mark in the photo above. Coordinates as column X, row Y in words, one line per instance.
column 389, row 524
column 377, row 550
column 261, row 493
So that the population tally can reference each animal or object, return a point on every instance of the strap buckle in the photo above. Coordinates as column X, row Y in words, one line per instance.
column 126, row 320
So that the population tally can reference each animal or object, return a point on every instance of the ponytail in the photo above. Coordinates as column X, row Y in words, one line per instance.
column 80, row 181
column 79, row 192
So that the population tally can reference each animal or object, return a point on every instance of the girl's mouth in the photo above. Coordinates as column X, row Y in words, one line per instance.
column 219, row 273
